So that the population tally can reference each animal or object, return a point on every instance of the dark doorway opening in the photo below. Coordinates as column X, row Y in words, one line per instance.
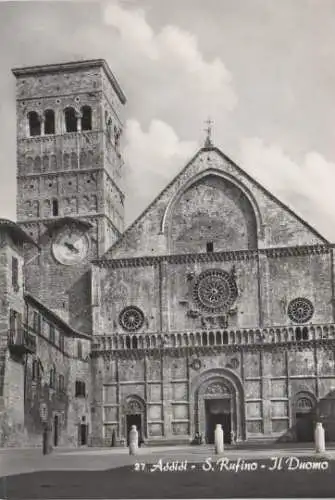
column 218, row 412
column 83, row 434
column 56, row 430
column 304, row 427
column 135, row 420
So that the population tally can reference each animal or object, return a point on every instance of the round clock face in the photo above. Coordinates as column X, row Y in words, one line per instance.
column 70, row 247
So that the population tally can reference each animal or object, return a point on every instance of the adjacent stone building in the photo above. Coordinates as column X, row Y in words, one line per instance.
column 215, row 306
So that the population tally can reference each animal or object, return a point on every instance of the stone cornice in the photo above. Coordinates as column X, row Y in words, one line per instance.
column 65, row 137
column 45, row 221
column 234, row 255
column 63, row 95
column 296, row 251
column 72, row 66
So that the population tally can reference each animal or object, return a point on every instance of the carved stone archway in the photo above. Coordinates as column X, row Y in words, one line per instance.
column 134, row 405
column 304, row 405
column 304, row 401
column 219, row 383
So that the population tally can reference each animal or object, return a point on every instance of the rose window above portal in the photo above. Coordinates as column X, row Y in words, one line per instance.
column 300, row 310
column 131, row 318
column 215, row 290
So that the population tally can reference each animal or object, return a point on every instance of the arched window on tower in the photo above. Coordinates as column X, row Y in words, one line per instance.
column 86, row 118
column 49, row 122
column 34, row 123
column 70, row 120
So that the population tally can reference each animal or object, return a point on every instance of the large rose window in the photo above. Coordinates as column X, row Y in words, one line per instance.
column 131, row 318
column 300, row 310
column 215, row 290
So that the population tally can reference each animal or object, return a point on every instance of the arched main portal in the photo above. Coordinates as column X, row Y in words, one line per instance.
column 217, row 398
column 134, row 414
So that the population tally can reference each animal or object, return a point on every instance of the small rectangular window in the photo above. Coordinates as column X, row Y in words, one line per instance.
column 209, row 247
column 61, row 341
column 80, row 389
column 61, row 383
column 15, row 273
column 52, row 378
column 12, row 326
column 54, row 208
column 35, row 370
column 37, row 322
column 52, row 333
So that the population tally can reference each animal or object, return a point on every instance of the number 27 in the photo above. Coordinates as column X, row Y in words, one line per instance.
column 139, row 466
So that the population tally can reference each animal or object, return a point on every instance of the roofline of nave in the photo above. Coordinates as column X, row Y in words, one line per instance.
column 241, row 170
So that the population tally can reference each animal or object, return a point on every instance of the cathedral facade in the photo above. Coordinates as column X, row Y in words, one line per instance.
column 216, row 305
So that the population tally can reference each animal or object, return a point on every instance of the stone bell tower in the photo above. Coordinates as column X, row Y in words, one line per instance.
column 69, row 124
column 69, row 178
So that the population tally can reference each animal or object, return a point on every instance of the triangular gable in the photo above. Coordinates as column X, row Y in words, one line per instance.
column 283, row 227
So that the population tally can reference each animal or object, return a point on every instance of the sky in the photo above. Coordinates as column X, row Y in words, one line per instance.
column 263, row 70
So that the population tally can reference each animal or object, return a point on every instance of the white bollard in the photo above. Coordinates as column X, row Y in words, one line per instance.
column 133, row 441
column 218, row 438
column 319, row 435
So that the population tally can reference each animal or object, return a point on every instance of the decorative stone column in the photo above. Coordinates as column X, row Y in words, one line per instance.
column 79, row 117
column 265, row 372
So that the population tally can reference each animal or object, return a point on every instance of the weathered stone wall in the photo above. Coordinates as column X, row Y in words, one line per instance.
column 77, row 194
column 12, row 372
column 272, row 380
column 69, row 363
column 70, row 285
column 212, row 210
column 119, row 288
column 166, row 291
column 289, row 277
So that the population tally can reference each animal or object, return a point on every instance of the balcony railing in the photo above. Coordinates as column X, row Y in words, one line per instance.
column 215, row 337
column 21, row 341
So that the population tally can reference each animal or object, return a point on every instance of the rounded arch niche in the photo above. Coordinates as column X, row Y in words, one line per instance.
column 304, row 414
column 217, row 385
column 134, row 413
column 212, row 208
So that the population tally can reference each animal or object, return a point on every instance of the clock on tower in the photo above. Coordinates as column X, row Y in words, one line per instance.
column 70, row 246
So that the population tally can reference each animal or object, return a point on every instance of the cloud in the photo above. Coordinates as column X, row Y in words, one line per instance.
column 152, row 157
column 133, row 28
column 176, row 53
column 306, row 187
